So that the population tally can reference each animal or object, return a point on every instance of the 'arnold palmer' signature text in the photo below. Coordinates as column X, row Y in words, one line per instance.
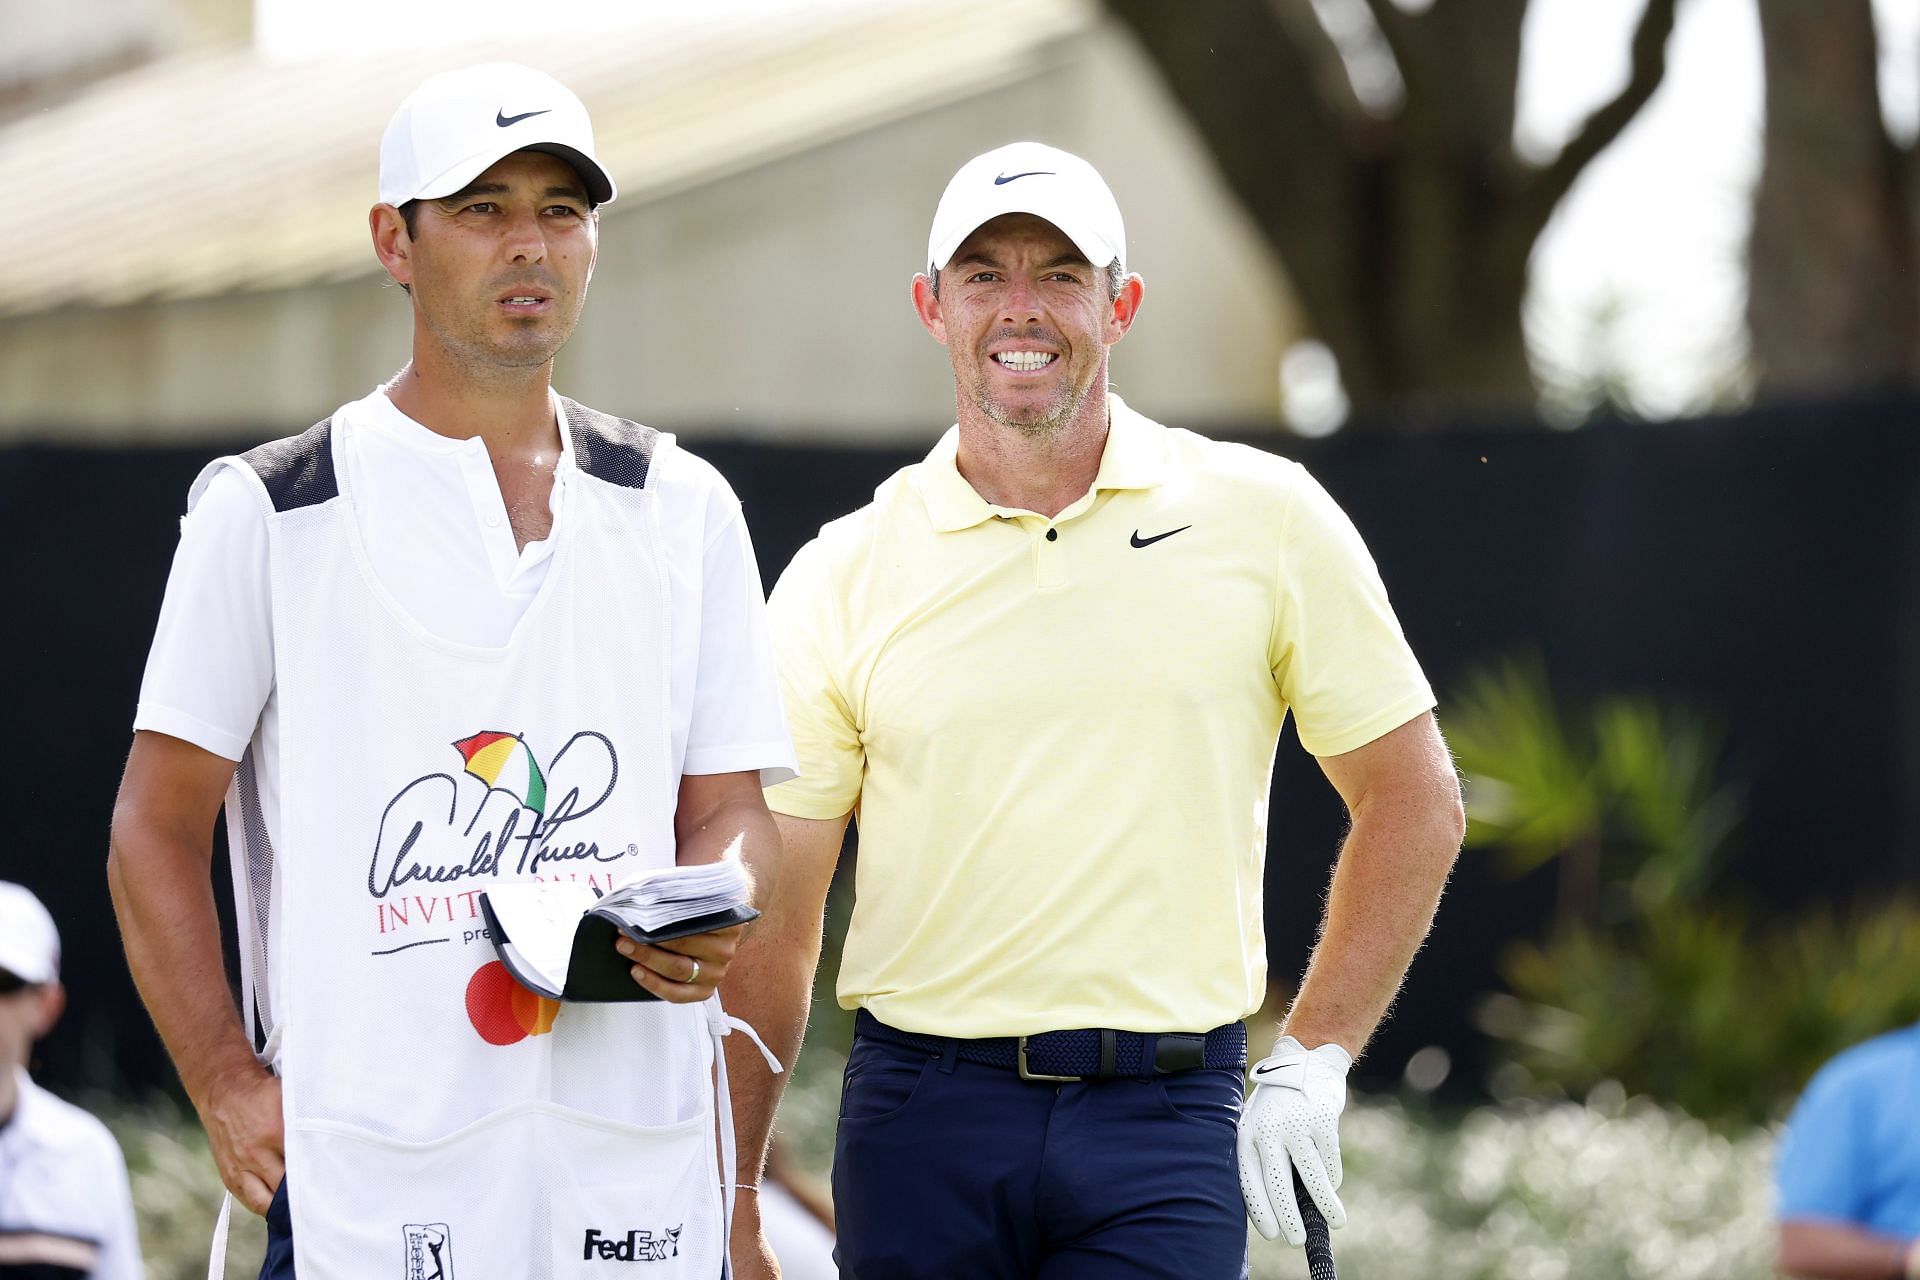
column 422, row 841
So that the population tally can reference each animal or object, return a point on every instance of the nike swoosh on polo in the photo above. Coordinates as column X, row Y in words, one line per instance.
column 1001, row 180
column 1139, row 541
column 502, row 119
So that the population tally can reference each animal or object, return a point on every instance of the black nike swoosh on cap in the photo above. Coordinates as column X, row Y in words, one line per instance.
column 1001, row 180
column 502, row 119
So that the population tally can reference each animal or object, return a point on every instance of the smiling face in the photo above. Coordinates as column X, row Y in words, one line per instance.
column 1027, row 321
column 499, row 270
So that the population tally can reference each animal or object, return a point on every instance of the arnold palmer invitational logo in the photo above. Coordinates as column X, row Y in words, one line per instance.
column 504, row 818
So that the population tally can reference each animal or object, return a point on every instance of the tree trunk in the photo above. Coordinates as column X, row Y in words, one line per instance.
column 1405, row 233
column 1833, row 300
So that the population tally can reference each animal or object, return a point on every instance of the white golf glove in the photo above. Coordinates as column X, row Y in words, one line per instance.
column 1291, row 1120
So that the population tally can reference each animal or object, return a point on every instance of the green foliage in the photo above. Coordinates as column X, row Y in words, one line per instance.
column 176, row 1192
column 1704, row 1009
column 1533, row 788
column 1627, row 794
column 1695, row 1002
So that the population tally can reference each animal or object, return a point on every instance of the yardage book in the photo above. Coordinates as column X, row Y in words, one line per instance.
column 557, row 938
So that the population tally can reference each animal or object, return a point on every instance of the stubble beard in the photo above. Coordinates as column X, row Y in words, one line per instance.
column 1051, row 420
column 529, row 344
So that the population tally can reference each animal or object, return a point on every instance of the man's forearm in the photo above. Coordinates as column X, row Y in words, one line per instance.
column 1385, row 891
column 760, row 979
column 170, row 926
column 771, row 984
column 770, row 987
column 733, row 828
column 1842, row 1251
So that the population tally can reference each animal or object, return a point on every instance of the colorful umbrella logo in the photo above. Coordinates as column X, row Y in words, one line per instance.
column 505, row 763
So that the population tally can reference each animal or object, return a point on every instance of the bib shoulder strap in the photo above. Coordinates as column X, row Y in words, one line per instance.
column 609, row 448
column 297, row 471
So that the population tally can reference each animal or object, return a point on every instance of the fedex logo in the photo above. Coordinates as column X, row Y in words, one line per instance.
column 635, row 1246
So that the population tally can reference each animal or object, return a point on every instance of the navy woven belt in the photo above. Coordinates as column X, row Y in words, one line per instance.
column 1088, row 1054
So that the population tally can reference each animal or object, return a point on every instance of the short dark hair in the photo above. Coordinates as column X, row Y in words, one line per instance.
column 409, row 212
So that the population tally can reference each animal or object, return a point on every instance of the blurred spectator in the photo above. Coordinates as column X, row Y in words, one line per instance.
column 1849, row 1167
column 65, row 1208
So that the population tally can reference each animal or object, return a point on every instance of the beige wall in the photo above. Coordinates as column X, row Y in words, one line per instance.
column 224, row 368
column 772, row 302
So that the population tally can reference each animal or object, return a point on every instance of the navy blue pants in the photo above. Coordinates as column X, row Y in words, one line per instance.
column 278, row 1264
column 946, row 1168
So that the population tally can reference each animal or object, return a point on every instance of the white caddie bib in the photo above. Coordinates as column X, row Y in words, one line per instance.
column 442, row 1122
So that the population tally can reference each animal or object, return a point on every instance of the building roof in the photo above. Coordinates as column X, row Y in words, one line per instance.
column 216, row 172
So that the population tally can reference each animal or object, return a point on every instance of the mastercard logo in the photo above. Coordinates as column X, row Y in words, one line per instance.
column 503, row 1011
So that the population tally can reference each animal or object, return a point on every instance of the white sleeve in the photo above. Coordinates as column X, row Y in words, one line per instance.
column 738, row 722
column 211, row 666
column 120, row 1236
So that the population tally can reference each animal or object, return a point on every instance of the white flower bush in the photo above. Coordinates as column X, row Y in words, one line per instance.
column 1518, row 1192
column 1560, row 1192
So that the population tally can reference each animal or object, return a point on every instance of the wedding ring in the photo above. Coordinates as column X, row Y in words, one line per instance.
column 695, row 975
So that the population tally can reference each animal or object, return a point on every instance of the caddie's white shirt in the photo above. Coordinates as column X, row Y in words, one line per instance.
column 64, row 1197
column 435, row 527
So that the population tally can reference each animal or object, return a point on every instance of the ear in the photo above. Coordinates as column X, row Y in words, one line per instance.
column 52, row 1002
column 926, row 304
column 1125, row 307
column 391, row 243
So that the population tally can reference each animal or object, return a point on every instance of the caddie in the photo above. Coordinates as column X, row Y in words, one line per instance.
column 463, row 632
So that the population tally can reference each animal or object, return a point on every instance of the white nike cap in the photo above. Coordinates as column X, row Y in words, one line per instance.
column 29, row 944
column 457, row 124
column 1029, row 177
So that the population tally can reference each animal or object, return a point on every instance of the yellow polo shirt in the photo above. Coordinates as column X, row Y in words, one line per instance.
column 1057, row 735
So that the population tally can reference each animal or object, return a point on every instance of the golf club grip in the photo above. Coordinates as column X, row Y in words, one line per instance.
column 1319, row 1247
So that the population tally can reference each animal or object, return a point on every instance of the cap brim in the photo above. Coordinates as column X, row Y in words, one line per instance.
column 1095, row 248
column 25, row 973
column 599, row 184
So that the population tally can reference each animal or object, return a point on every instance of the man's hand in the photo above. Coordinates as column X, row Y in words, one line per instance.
column 242, row 1117
column 1292, row 1120
column 751, row 1254
column 686, row 970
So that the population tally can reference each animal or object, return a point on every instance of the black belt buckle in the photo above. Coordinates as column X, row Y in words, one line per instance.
column 1178, row 1052
column 1020, row 1061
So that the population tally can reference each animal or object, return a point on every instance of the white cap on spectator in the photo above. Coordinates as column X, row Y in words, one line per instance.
column 29, row 944
column 1030, row 177
column 457, row 124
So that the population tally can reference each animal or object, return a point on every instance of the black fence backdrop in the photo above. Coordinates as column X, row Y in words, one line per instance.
column 1761, row 567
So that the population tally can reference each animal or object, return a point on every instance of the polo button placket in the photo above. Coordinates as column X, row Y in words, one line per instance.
column 1049, row 561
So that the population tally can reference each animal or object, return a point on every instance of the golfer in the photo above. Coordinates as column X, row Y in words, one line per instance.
column 1048, row 666
column 464, row 632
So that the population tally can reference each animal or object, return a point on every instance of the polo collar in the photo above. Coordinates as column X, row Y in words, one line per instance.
column 1134, row 458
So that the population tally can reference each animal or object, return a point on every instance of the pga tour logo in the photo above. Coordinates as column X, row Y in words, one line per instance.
column 635, row 1246
column 429, row 1253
